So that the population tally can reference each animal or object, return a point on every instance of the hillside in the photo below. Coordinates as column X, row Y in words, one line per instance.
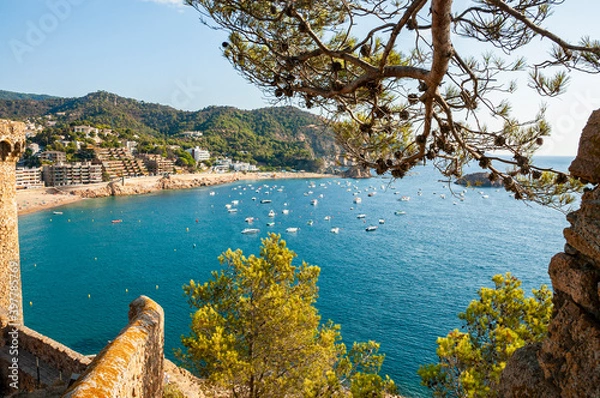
column 276, row 136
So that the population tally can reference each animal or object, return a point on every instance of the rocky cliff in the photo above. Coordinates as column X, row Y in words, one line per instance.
column 567, row 362
column 117, row 188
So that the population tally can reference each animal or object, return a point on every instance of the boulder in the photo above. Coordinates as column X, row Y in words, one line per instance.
column 586, row 165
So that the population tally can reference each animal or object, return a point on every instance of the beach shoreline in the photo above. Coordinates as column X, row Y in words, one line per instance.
column 40, row 199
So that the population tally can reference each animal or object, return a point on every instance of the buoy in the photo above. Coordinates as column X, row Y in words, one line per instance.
column 156, row 287
column 89, row 295
column 174, row 250
column 95, row 258
column 34, row 265
column 187, row 230
column 92, row 220
column 126, row 290
column 50, row 220
column 194, row 245
column 30, row 303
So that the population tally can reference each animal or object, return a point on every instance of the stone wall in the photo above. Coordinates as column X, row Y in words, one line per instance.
column 567, row 363
column 131, row 365
column 12, row 145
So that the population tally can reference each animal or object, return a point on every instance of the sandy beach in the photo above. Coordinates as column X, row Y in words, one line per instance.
column 33, row 200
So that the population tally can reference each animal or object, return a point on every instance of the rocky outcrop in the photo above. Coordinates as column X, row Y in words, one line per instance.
column 586, row 165
column 356, row 172
column 567, row 362
column 477, row 180
column 117, row 188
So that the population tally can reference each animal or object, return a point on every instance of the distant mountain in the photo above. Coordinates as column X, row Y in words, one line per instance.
column 9, row 95
column 271, row 136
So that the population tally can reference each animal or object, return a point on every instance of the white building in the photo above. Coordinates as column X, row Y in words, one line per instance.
column 243, row 166
column 192, row 134
column 29, row 177
column 87, row 130
column 222, row 165
column 199, row 154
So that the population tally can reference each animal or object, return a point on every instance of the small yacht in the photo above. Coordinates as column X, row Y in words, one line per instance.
column 285, row 211
column 314, row 202
column 292, row 229
column 263, row 201
column 371, row 228
column 271, row 213
column 361, row 216
column 250, row 231
column 335, row 230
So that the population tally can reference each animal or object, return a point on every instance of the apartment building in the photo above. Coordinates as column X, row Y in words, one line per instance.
column 62, row 174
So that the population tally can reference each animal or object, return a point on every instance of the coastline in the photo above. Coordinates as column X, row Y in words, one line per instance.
column 39, row 199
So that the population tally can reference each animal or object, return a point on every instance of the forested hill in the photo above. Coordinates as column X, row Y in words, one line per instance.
column 262, row 132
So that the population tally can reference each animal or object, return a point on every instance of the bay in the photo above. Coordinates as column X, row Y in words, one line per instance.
column 401, row 285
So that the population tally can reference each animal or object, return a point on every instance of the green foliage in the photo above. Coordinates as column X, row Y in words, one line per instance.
column 497, row 324
column 275, row 137
column 172, row 391
column 256, row 332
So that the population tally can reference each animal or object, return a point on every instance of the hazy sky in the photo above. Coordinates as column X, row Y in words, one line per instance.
column 158, row 51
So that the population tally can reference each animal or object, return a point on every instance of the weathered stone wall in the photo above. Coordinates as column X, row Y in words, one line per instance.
column 132, row 365
column 12, row 145
column 567, row 363
column 57, row 355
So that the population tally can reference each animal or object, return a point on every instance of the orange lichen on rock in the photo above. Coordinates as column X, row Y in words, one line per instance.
column 132, row 365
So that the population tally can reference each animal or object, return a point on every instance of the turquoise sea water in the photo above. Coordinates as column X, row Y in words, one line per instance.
column 401, row 285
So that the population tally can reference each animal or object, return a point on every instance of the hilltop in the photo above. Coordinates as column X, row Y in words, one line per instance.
column 273, row 136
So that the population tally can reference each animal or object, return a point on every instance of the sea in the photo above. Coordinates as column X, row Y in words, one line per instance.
column 401, row 284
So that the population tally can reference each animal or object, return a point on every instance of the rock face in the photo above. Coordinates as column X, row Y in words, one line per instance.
column 569, row 358
column 587, row 163
column 477, row 180
column 356, row 172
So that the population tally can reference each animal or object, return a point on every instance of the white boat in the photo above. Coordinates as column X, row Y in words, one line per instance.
column 327, row 218
column 270, row 224
column 357, row 200
column 335, row 230
column 314, row 202
column 250, row 231
column 361, row 216
column 443, row 196
column 212, row 193
column 371, row 194
column 228, row 205
column 292, row 229
column 232, row 210
column 263, row 201
column 249, row 219
column 399, row 212
column 405, row 198
column 371, row 228
column 271, row 213
column 310, row 222
column 485, row 196
column 254, row 198
column 285, row 211
column 381, row 221
column 235, row 202
column 58, row 213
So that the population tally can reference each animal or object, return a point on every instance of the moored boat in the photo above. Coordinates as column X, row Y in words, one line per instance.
column 250, row 231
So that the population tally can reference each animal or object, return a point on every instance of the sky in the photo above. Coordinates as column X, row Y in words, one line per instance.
column 159, row 51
